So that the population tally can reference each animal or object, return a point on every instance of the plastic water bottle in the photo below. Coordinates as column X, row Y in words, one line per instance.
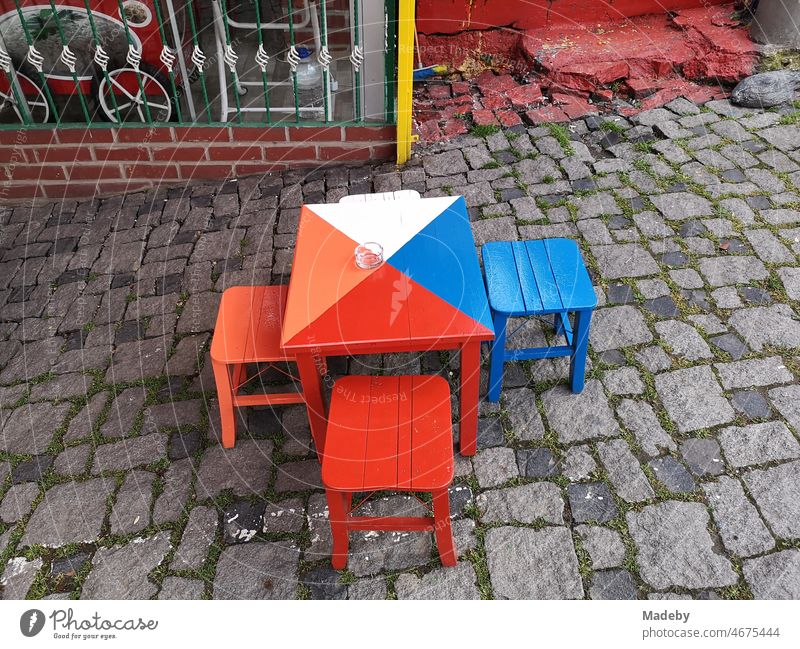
column 309, row 85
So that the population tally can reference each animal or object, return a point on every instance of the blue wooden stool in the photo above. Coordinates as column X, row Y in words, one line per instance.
column 533, row 278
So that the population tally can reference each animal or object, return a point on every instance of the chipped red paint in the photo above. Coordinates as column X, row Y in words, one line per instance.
column 567, row 71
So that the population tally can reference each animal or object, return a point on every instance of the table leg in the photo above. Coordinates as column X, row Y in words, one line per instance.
column 311, row 380
column 470, row 385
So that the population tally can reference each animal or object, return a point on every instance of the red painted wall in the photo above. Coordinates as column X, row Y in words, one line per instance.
column 451, row 16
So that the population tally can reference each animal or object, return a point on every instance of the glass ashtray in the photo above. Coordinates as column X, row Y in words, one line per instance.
column 369, row 255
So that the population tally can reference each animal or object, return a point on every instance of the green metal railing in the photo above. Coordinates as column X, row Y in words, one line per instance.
column 209, row 62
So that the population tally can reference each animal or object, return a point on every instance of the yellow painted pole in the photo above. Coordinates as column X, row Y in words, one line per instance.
column 405, row 78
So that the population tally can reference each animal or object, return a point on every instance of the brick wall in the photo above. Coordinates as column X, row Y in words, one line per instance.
column 81, row 162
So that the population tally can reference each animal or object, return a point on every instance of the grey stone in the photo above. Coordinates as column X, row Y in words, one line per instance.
column 676, row 549
column 285, row 516
column 693, row 398
column 702, row 456
column 257, row 571
column 605, row 546
column 653, row 288
column 682, row 205
column 490, row 432
column 130, row 452
column 576, row 417
column 56, row 521
column 501, row 228
column 494, row 466
column 526, row 422
column 445, row 164
column 18, row 577
column 625, row 380
column 780, row 216
column 774, row 576
column 197, row 539
column 242, row 520
column 671, row 472
column 595, row 205
column 727, row 298
column 17, row 501
column 686, row 278
column 769, row 248
column 791, row 282
column 591, row 502
column 181, row 588
column 324, row 583
column 766, row 89
column 30, row 428
column 613, row 584
column 121, row 572
column 619, row 326
column 298, row 476
column 144, row 359
column 755, row 372
column 624, row 471
column 654, row 359
column 72, row 460
column 775, row 326
column 787, row 401
column 743, row 532
column 525, row 504
column 245, row 469
column 776, row 491
column 640, row 418
column 458, row 583
column 578, row 464
column 536, row 463
column 552, row 567
column 731, row 344
column 131, row 511
column 751, row 404
column 710, row 324
column 177, row 485
column 683, row 339
column 371, row 588
column 726, row 271
column 82, row 424
column 785, row 138
column 372, row 552
column 624, row 260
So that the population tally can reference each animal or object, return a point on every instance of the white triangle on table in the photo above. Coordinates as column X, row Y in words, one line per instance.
column 390, row 223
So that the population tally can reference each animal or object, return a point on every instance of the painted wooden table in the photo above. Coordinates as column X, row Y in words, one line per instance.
column 427, row 295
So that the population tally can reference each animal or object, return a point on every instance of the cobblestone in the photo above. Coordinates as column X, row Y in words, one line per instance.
column 104, row 369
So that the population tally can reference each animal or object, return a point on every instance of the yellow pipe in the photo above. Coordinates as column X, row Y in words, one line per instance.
column 405, row 78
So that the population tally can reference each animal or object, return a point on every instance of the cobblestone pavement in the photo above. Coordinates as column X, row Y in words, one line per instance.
column 675, row 474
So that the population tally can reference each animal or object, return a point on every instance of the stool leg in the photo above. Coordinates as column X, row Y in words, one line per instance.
column 558, row 326
column 227, row 417
column 239, row 373
column 497, row 358
column 443, row 531
column 337, row 514
column 580, row 343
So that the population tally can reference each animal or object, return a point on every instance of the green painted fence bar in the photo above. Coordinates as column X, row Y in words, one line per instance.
column 179, row 62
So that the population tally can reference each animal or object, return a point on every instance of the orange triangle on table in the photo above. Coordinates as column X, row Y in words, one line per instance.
column 323, row 272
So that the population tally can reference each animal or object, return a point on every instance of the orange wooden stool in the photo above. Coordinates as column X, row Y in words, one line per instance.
column 389, row 433
column 248, row 330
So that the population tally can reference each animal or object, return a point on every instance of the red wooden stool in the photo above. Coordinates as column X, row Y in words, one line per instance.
column 248, row 330
column 389, row 433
